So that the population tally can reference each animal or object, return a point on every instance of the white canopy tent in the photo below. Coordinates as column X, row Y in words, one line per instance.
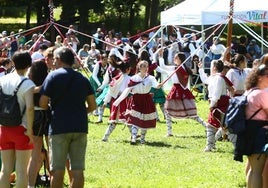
column 209, row 12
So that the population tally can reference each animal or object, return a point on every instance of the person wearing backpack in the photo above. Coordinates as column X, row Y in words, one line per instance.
column 255, row 136
column 16, row 141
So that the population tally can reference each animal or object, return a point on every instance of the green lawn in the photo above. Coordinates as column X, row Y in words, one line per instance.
column 175, row 162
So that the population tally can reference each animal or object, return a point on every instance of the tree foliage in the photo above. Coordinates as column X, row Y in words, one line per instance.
column 122, row 14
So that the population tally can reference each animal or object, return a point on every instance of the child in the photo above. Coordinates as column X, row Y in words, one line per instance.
column 116, row 87
column 141, row 113
column 180, row 101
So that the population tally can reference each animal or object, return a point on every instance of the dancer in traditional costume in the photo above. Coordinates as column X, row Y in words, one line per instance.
column 116, row 87
column 218, row 87
column 97, row 78
column 141, row 112
column 180, row 101
column 158, row 94
column 111, row 72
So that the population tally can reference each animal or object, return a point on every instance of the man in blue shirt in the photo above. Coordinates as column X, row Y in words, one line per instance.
column 71, row 97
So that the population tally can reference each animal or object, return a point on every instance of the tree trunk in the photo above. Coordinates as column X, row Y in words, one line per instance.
column 68, row 11
column 147, row 13
column 154, row 13
column 39, row 13
column 131, row 17
column 28, row 15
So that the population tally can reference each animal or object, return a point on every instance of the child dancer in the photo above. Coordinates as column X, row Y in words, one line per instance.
column 97, row 78
column 116, row 87
column 218, row 85
column 180, row 101
column 141, row 112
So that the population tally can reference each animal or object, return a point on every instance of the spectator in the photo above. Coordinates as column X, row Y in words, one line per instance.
column 94, row 53
column 37, row 74
column 5, row 66
column 83, row 52
column 242, row 48
column 14, row 43
column 98, row 37
column 74, row 41
column 217, row 49
column 69, row 117
column 16, row 142
column 33, row 40
column 40, row 53
column 255, row 136
column 41, row 40
column 109, row 40
column 58, row 42
column 253, row 49
column 21, row 38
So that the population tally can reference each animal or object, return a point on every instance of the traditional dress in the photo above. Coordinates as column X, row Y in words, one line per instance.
column 219, row 101
column 110, row 73
column 141, row 113
column 97, row 76
column 141, row 109
column 218, row 98
column 118, row 84
column 116, row 87
column 180, row 101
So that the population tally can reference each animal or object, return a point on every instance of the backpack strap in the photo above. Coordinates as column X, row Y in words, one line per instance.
column 255, row 113
column 18, row 87
column 16, row 91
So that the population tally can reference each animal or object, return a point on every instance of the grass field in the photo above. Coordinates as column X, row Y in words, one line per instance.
column 173, row 162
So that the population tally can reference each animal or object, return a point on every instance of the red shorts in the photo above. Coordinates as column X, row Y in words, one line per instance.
column 13, row 138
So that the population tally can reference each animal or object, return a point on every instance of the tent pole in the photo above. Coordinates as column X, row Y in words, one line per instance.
column 230, row 27
column 262, row 34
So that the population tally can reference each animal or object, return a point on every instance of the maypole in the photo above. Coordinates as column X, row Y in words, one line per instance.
column 51, row 20
column 230, row 27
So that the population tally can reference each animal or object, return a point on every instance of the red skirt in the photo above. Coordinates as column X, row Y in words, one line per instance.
column 118, row 112
column 180, row 102
column 222, row 105
column 141, row 111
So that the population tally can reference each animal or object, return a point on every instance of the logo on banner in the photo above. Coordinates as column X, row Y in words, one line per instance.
column 256, row 16
column 250, row 15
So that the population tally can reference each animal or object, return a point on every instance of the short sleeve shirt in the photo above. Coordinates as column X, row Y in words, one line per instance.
column 257, row 99
column 67, row 90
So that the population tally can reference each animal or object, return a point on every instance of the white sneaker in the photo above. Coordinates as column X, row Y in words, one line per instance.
column 169, row 135
column 133, row 141
column 104, row 139
column 208, row 149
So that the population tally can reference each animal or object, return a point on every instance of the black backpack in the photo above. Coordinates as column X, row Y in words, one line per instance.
column 10, row 114
column 235, row 116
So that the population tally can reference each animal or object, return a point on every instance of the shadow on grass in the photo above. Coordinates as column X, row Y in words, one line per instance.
column 153, row 144
column 190, row 136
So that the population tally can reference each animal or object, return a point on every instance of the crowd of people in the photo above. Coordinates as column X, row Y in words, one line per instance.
column 127, row 75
